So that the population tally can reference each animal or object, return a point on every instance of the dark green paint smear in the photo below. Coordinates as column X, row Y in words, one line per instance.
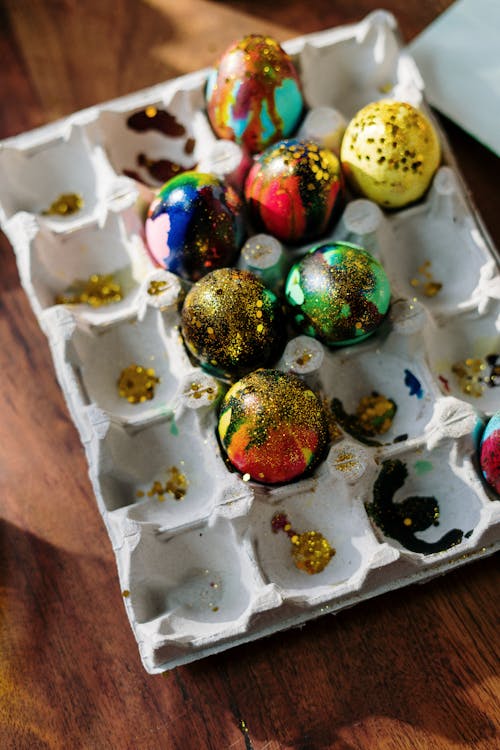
column 422, row 511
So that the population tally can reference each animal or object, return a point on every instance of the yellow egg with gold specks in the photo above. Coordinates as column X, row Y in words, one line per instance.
column 390, row 152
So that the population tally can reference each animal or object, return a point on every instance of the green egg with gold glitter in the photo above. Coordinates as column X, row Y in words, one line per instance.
column 338, row 293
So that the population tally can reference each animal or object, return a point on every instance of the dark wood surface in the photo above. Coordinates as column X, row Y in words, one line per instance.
column 416, row 669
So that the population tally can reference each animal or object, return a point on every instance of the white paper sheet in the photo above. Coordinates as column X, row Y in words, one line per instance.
column 459, row 58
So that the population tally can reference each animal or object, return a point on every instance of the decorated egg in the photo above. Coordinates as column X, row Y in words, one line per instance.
column 194, row 225
column 253, row 95
column 390, row 152
column 293, row 189
column 338, row 293
column 231, row 322
column 273, row 427
column 489, row 452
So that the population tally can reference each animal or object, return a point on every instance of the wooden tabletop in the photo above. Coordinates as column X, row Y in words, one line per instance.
column 414, row 669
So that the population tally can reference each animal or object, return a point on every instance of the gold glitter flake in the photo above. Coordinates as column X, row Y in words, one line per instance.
column 385, row 88
column 157, row 287
column 197, row 391
column 311, row 551
column 126, row 593
column 176, row 485
column 334, row 429
column 304, row 358
column 470, row 375
column 426, row 283
column 375, row 414
column 346, row 461
column 431, row 288
column 137, row 384
column 96, row 291
column 66, row 205
column 256, row 252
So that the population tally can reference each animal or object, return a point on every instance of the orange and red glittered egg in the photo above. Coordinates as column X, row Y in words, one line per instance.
column 232, row 323
column 293, row 190
column 194, row 225
column 254, row 95
column 273, row 427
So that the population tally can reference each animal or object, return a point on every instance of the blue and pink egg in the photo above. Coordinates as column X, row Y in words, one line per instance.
column 194, row 225
column 254, row 95
column 489, row 452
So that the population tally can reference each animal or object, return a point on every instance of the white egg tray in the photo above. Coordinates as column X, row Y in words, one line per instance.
column 205, row 572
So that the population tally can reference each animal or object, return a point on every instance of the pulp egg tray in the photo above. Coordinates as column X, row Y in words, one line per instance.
column 200, row 565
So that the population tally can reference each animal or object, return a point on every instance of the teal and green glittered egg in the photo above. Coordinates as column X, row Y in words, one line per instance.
column 232, row 323
column 338, row 293
column 294, row 189
column 273, row 427
column 254, row 95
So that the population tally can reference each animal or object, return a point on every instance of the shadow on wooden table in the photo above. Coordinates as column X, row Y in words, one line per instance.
column 70, row 675
column 403, row 672
column 69, row 668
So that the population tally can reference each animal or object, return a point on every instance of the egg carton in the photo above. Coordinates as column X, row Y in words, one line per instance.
column 199, row 564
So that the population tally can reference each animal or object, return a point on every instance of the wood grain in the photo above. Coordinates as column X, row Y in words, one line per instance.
column 416, row 669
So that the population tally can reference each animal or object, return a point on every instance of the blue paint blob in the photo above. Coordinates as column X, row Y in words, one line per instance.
column 414, row 385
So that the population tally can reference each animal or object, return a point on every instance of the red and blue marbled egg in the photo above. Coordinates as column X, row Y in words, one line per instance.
column 254, row 95
column 294, row 189
column 489, row 452
column 194, row 225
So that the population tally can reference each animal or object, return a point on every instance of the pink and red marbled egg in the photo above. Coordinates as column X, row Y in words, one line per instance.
column 294, row 189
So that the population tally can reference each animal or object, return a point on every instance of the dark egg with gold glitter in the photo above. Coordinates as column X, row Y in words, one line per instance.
column 273, row 427
column 293, row 189
column 194, row 225
column 254, row 95
column 232, row 323
column 338, row 293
